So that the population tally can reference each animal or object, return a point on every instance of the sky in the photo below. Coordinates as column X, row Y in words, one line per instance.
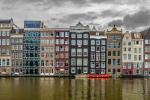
column 131, row 15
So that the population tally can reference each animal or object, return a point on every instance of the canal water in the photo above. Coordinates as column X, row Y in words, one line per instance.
column 74, row 89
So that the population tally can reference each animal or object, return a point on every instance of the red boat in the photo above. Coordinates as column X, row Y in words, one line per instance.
column 99, row 75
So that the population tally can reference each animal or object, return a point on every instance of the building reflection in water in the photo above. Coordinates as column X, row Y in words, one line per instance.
column 74, row 89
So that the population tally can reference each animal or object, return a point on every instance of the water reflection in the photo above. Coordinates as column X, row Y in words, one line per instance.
column 74, row 89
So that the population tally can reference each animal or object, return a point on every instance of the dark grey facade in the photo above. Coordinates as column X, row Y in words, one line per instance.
column 98, row 50
column 79, row 49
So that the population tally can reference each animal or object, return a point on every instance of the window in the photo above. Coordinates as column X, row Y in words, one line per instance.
column 79, row 62
column 103, row 48
column 136, row 42
column 146, row 41
column 42, row 63
column 129, row 56
column 92, row 42
column 73, row 52
column 73, row 42
column 97, row 42
column 129, row 43
column 85, row 35
column 92, row 64
column 118, row 62
column 57, row 41
column 3, row 33
column 79, row 52
column 118, row 53
column 66, row 34
column 135, row 50
column 73, row 70
column 0, row 42
column 103, row 42
column 61, row 41
column 118, row 70
column 97, row 56
column 139, row 50
column 85, row 52
column 135, row 57
column 140, row 57
column 102, row 64
column 124, row 56
column 109, row 61
column 114, row 53
column 8, row 62
column 73, row 61
column 3, row 62
column 79, row 42
column 85, row 62
column 102, row 56
column 79, row 35
column 3, row 41
column 92, row 71
column 129, row 49
column 85, row 42
column 73, row 35
column 114, row 61
column 85, row 70
column 92, row 48
column 109, row 53
column 98, row 48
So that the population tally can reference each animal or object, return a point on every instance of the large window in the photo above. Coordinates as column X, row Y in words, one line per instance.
column 85, row 35
column 109, row 53
column 103, row 42
column 92, row 42
column 8, row 63
column 114, row 53
column 73, row 35
column 73, row 42
column 85, row 62
column 92, row 64
column 147, row 56
column 73, row 52
column 146, row 42
column 85, row 52
column 73, row 61
column 97, row 42
column 85, row 42
column 103, row 48
column 85, row 70
column 109, row 61
column 79, row 62
column 4, row 41
column 92, row 48
column 102, row 56
column 73, row 70
column 102, row 64
column 79, row 35
column 79, row 42
column 129, row 56
column 79, row 52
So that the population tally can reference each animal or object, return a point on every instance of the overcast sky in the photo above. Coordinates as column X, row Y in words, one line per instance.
column 130, row 14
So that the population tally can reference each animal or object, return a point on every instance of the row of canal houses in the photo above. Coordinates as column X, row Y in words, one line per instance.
column 38, row 50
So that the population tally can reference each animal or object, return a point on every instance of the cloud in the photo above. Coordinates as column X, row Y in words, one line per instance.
column 116, row 22
column 79, row 17
column 138, row 19
column 133, row 21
